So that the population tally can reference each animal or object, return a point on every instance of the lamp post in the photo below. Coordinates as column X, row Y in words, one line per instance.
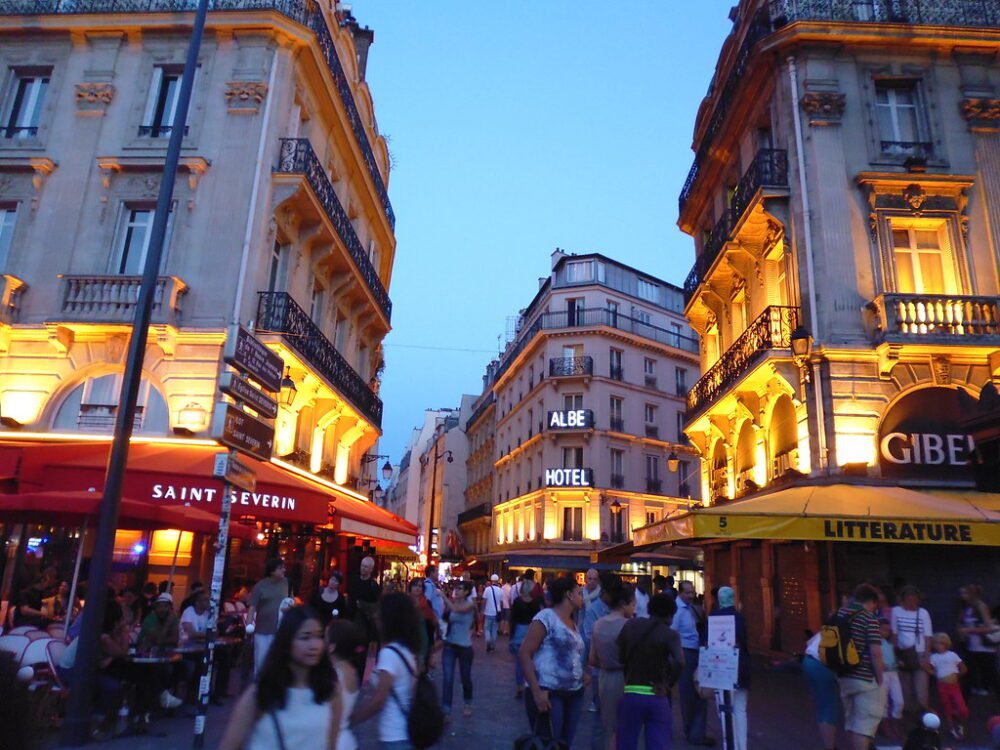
column 430, row 522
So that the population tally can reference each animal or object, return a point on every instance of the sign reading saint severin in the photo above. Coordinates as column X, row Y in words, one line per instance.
column 922, row 438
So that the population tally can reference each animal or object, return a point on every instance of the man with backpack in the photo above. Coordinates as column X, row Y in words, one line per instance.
column 857, row 660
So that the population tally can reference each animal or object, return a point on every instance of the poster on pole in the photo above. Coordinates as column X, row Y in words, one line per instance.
column 718, row 668
column 722, row 631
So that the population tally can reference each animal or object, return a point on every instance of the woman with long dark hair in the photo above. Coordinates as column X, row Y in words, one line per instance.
column 295, row 697
column 458, row 646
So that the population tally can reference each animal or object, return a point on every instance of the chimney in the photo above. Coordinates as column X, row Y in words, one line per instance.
column 557, row 256
column 363, row 38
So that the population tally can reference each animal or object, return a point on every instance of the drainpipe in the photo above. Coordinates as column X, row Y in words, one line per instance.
column 254, row 194
column 810, row 272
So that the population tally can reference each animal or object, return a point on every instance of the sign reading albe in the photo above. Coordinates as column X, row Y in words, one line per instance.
column 571, row 419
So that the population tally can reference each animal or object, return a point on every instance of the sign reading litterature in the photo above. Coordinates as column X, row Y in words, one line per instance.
column 249, row 355
column 569, row 477
column 922, row 438
column 571, row 419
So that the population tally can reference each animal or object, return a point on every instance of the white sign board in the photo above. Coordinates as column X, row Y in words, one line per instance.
column 718, row 668
column 722, row 631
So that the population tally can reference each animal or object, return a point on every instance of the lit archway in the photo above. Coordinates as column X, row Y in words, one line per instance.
column 783, row 437
column 93, row 405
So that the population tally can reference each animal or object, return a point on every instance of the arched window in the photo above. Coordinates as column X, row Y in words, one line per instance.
column 746, row 456
column 720, row 474
column 783, row 437
column 93, row 405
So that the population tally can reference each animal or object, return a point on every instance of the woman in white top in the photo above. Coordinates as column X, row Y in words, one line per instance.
column 912, row 633
column 344, row 642
column 395, row 672
column 295, row 698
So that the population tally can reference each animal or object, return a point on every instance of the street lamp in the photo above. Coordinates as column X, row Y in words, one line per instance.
column 673, row 462
column 802, row 342
column 387, row 471
column 288, row 388
column 616, row 508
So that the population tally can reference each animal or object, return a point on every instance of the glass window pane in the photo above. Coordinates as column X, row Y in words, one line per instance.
column 905, row 282
column 932, row 273
column 927, row 239
column 900, row 238
column 908, row 129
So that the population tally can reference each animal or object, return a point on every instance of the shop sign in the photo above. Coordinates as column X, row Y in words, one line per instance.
column 235, row 472
column 922, row 438
column 571, row 419
column 185, row 493
column 569, row 477
column 249, row 355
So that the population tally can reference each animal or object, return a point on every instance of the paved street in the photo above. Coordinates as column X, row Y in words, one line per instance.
column 780, row 716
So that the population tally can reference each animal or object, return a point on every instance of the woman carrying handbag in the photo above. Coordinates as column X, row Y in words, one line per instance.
column 911, row 633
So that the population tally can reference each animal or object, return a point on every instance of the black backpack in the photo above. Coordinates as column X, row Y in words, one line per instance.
column 424, row 717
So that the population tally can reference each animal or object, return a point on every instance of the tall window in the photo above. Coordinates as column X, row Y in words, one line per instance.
column 680, row 381
column 650, row 412
column 128, row 256
column 612, row 313
column 900, row 121
column 161, row 105
column 317, row 302
column 652, row 467
column 276, row 268
column 681, row 437
column 572, row 524
column 923, row 261
column 617, row 468
column 8, row 218
column 675, row 334
column 648, row 290
column 23, row 105
column 574, row 311
column 572, row 457
column 617, row 414
column 572, row 401
column 649, row 372
column 616, row 371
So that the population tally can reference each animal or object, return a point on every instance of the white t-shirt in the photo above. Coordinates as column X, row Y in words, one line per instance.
column 392, row 720
column 505, row 602
column 492, row 601
column 945, row 664
column 911, row 628
column 641, row 604
column 198, row 623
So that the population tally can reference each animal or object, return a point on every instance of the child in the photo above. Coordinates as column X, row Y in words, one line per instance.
column 948, row 667
column 892, row 689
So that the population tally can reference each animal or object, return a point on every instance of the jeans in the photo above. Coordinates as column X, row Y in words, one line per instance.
column 515, row 645
column 694, row 708
column 261, row 643
column 651, row 713
column 492, row 623
column 463, row 654
column 563, row 718
column 738, row 701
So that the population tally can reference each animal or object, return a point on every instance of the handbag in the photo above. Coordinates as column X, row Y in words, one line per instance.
column 538, row 741
column 907, row 659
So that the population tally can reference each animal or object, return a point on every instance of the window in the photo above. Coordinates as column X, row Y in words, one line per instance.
column 648, row 290
column 161, row 106
column 8, row 218
column 23, row 107
column 681, row 437
column 612, row 313
column 131, row 244
column 675, row 334
column 317, row 302
column 572, row 458
column 642, row 316
column 616, row 371
column 584, row 270
column 741, row 316
column 616, row 407
column 574, row 311
column 652, row 467
column 923, row 262
column 572, row 401
column 650, row 517
column 572, row 524
column 649, row 366
column 900, row 122
column 617, row 462
column 276, row 268
column 680, row 381
column 650, row 412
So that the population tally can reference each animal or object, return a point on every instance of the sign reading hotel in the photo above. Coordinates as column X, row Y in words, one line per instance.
column 571, row 419
column 922, row 438
column 569, row 477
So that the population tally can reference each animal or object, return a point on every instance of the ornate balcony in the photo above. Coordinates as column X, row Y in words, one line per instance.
column 101, row 417
column 278, row 313
column 112, row 299
column 937, row 317
column 970, row 13
column 484, row 510
column 653, row 431
column 617, row 424
column 771, row 330
column 654, row 486
column 11, row 289
column 617, row 481
column 301, row 11
column 297, row 157
column 564, row 367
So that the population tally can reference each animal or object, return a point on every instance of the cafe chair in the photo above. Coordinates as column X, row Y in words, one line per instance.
column 14, row 645
column 56, row 630
column 37, row 635
column 20, row 629
column 36, row 653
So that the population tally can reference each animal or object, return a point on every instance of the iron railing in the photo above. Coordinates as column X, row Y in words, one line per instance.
column 650, row 381
column 483, row 510
column 652, row 431
column 301, row 11
column 617, row 481
column 101, row 417
column 278, row 313
column 158, row 131
column 112, row 299
column 911, row 149
column 771, row 330
column 936, row 316
column 970, row 13
column 617, row 424
column 654, row 486
column 570, row 366
column 616, row 372
column 710, row 250
column 298, row 157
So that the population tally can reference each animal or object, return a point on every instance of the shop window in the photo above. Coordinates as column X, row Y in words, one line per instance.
column 922, row 256
column 166, row 543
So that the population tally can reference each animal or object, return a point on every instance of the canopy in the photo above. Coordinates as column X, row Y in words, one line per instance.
column 841, row 512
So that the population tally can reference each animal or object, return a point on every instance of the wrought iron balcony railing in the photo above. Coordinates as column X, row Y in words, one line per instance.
column 560, row 367
column 484, row 510
column 158, row 131
column 652, row 431
column 278, row 313
column 908, row 149
column 937, row 316
column 617, row 424
column 650, row 381
column 301, row 11
column 617, row 481
column 101, row 417
column 112, row 299
column 968, row 13
column 616, row 372
column 654, row 486
column 771, row 330
column 297, row 157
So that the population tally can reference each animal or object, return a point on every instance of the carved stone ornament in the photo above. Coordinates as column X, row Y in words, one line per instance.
column 981, row 113
column 245, row 96
column 95, row 93
column 914, row 196
column 941, row 367
column 824, row 107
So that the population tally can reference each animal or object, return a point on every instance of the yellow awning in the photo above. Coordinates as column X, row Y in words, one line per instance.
column 841, row 512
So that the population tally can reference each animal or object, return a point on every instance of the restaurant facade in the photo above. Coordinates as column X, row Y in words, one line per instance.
column 843, row 203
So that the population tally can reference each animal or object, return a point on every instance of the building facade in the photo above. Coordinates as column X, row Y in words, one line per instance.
column 280, row 220
column 583, row 415
column 843, row 203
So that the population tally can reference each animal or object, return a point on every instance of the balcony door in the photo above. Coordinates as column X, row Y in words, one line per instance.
column 574, row 311
column 923, row 258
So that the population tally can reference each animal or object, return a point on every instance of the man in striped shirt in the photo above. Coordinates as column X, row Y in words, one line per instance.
column 864, row 703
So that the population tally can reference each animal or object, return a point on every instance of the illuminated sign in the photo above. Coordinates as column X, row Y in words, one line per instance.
column 569, row 477
column 571, row 419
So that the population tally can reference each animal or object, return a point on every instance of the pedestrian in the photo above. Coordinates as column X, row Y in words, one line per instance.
column 492, row 607
column 551, row 658
column 295, row 698
column 428, row 623
column 650, row 651
column 642, row 597
column 149, row 595
column 825, row 692
column 892, row 691
column 860, row 683
column 594, row 608
column 522, row 611
column 605, row 659
column 365, row 593
column 263, row 613
column 726, row 600
column 911, row 630
column 432, row 592
column 694, row 708
column 461, row 613
column 343, row 641
column 505, row 608
column 329, row 602
column 974, row 623
column 395, row 672
column 196, row 588
column 948, row 668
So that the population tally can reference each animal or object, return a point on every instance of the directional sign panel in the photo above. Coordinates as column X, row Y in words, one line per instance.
column 249, row 355
column 241, row 432
column 235, row 472
column 233, row 385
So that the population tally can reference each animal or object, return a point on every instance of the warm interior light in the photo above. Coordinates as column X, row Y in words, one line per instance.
column 855, row 449
column 192, row 417
column 163, row 543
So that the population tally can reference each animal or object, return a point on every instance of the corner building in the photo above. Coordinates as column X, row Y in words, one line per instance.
column 579, row 418
column 843, row 202
column 280, row 219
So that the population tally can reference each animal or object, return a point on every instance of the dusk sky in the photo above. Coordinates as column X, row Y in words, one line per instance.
column 516, row 128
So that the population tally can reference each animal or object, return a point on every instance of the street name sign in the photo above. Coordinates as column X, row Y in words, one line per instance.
column 249, row 355
column 235, row 472
column 241, row 432
column 233, row 385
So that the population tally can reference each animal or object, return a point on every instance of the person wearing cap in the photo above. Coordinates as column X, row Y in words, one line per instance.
column 161, row 628
column 726, row 599
column 492, row 607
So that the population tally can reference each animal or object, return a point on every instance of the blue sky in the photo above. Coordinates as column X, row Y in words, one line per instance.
column 516, row 128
